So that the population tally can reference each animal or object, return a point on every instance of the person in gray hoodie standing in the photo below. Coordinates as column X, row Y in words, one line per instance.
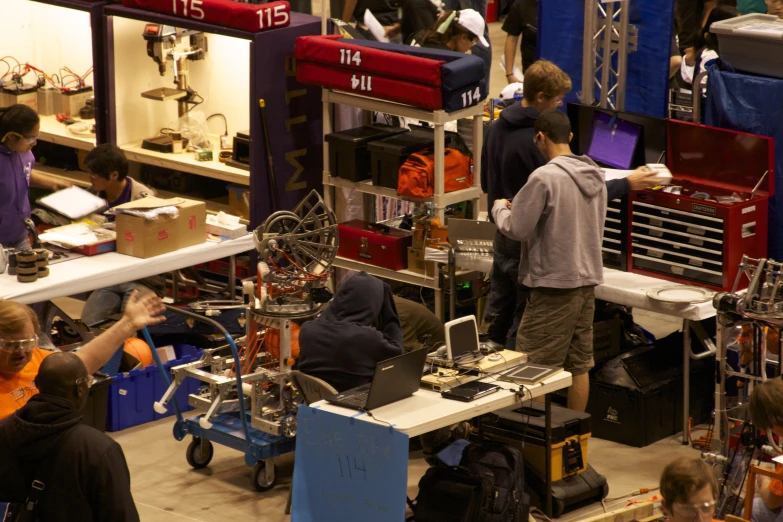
column 559, row 218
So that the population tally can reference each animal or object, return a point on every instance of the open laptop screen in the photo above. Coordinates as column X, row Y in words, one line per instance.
column 613, row 141
column 463, row 338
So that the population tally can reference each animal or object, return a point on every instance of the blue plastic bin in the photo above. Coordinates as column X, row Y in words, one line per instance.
column 132, row 394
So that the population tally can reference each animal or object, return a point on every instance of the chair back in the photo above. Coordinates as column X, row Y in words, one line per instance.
column 312, row 388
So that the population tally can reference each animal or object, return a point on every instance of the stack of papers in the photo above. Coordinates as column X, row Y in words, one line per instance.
column 71, row 236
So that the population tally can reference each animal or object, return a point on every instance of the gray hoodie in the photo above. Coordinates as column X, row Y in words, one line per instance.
column 559, row 218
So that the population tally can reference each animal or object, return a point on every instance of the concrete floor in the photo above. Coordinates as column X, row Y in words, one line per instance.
column 166, row 488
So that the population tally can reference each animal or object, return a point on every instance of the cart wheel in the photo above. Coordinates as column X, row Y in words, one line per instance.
column 260, row 480
column 199, row 453
column 558, row 508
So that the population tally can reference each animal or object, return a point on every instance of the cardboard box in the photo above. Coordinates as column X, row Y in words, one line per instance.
column 139, row 237
column 417, row 264
column 239, row 201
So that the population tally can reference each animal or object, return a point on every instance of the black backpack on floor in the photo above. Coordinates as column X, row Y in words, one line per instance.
column 488, row 486
column 503, row 466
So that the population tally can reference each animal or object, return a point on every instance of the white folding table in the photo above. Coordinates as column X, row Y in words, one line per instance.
column 90, row 273
column 349, row 465
column 629, row 289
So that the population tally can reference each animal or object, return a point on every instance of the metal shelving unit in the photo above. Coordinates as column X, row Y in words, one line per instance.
column 440, row 199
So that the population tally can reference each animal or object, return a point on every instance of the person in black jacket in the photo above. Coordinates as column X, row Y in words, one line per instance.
column 508, row 158
column 358, row 329
column 88, row 478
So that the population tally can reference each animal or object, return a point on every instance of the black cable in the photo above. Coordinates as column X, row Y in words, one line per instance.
column 225, row 121
column 373, row 417
column 727, row 471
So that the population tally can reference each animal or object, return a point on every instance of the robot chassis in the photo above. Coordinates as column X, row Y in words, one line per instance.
column 759, row 310
column 296, row 250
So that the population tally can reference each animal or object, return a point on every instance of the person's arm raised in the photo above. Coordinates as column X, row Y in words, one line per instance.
column 139, row 312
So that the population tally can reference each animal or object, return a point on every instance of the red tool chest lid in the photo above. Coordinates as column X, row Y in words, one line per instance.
column 724, row 159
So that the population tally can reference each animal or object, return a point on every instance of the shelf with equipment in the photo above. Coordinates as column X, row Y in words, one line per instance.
column 440, row 198
column 78, row 23
column 55, row 132
column 230, row 79
column 438, row 119
column 186, row 162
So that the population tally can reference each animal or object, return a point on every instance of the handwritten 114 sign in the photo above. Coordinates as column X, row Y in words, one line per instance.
column 226, row 13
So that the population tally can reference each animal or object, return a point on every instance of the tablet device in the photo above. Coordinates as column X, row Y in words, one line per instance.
column 470, row 391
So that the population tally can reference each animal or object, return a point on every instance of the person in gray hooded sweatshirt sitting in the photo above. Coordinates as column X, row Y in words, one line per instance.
column 559, row 218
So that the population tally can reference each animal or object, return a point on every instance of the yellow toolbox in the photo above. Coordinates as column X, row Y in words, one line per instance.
column 523, row 426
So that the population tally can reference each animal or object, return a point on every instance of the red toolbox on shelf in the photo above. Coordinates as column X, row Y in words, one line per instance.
column 695, row 237
column 378, row 245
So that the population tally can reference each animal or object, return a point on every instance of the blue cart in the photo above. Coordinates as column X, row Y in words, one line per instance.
column 232, row 429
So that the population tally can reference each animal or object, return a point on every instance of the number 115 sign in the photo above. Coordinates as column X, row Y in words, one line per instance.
column 245, row 17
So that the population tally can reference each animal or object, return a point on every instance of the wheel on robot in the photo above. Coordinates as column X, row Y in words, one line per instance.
column 259, row 478
column 199, row 453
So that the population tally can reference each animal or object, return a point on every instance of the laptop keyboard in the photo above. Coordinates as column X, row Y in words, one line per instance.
column 358, row 400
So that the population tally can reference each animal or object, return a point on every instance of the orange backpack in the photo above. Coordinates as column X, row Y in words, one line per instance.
column 417, row 174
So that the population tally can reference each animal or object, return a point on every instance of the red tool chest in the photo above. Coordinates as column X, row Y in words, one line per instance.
column 377, row 245
column 694, row 237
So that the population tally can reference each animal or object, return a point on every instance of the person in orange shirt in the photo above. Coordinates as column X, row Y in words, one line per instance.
column 20, row 356
column 767, row 415
column 690, row 491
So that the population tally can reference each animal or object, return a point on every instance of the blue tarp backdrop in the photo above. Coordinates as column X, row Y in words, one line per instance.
column 560, row 40
column 746, row 103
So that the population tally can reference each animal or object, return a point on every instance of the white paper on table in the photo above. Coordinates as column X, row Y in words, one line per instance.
column 778, row 459
column 77, row 235
column 375, row 27
column 617, row 174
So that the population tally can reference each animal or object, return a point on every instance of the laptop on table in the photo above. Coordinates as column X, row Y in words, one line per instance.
column 394, row 380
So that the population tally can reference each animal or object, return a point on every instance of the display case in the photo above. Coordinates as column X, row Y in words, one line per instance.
column 52, row 35
column 698, row 236
column 237, row 72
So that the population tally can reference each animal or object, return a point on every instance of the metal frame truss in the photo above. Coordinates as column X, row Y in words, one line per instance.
column 608, row 38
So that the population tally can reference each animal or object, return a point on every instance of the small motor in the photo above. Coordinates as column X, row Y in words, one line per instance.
column 88, row 111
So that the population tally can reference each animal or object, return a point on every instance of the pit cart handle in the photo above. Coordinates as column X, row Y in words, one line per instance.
column 234, row 353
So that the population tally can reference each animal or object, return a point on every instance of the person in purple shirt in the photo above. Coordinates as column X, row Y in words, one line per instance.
column 19, row 128
column 108, row 169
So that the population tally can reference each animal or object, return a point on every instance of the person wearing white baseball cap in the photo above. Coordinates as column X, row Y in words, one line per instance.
column 454, row 30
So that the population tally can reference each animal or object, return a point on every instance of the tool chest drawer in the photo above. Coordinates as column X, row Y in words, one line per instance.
column 614, row 248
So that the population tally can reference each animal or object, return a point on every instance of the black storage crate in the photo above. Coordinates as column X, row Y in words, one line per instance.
column 642, row 410
column 97, row 403
column 388, row 155
column 348, row 155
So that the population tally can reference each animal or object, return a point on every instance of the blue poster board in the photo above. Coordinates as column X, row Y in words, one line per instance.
column 348, row 469
column 561, row 40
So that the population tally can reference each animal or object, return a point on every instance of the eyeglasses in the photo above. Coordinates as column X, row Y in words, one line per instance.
column 16, row 345
column 25, row 139
column 693, row 510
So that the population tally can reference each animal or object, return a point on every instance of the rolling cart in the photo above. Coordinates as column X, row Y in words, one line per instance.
column 230, row 428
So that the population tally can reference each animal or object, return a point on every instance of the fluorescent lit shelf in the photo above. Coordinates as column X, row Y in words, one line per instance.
column 53, row 131
column 186, row 162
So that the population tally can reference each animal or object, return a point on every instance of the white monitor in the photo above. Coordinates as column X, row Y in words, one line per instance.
column 461, row 337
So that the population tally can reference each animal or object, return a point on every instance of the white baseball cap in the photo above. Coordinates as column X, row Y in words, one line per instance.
column 473, row 22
